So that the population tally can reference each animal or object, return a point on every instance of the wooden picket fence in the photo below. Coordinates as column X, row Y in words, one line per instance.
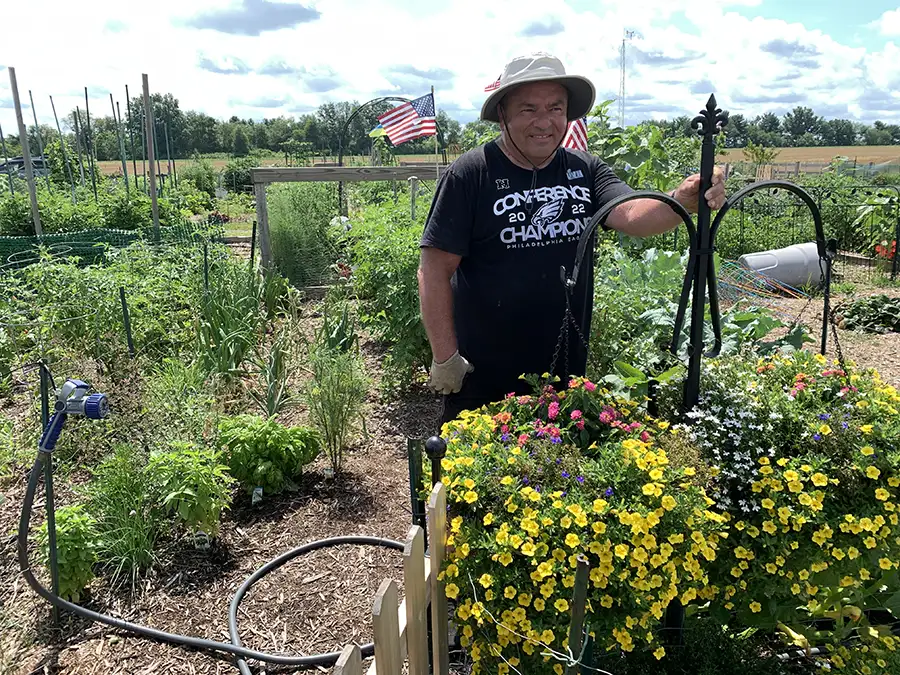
column 402, row 632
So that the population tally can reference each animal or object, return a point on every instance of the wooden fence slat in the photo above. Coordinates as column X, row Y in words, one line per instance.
column 388, row 660
column 414, row 584
column 320, row 174
column 349, row 662
column 437, row 536
column 401, row 618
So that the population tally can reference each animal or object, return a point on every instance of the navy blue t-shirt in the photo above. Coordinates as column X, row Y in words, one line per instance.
column 508, row 296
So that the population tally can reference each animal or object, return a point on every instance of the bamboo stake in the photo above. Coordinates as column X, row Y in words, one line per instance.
column 157, row 154
column 121, row 147
column 77, row 117
column 90, row 143
column 148, row 115
column 131, row 135
column 26, row 152
column 144, row 148
column 12, row 190
column 37, row 131
column 62, row 144
column 169, row 155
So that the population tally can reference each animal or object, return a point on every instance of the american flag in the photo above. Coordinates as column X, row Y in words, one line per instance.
column 493, row 85
column 410, row 120
column 576, row 136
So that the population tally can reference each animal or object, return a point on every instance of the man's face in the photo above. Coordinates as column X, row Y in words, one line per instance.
column 535, row 117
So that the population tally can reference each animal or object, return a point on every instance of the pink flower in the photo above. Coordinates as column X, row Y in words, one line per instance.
column 576, row 414
column 523, row 439
column 523, row 400
column 504, row 429
column 580, row 424
column 645, row 437
column 554, row 431
column 553, row 410
column 606, row 417
column 590, row 386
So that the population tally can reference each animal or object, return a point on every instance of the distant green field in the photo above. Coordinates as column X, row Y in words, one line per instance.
column 115, row 167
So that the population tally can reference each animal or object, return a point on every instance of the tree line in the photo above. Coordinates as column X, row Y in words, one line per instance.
column 800, row 127
column 181, row 133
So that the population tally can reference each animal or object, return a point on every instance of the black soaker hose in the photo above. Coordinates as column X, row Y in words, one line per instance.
column 234, row 647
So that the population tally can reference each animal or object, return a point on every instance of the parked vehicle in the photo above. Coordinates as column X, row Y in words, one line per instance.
column 16, row 167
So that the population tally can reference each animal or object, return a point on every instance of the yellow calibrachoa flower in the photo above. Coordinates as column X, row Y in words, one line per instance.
column 819, row 479
column 873, row 472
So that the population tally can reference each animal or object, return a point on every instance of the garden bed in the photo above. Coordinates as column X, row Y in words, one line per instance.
column 317, row 603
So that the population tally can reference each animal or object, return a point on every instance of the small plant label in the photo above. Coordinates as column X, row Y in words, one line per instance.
column 257, row 495
column 201, row 540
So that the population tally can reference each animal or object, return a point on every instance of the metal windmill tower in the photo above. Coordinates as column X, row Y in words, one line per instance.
column 629, row 34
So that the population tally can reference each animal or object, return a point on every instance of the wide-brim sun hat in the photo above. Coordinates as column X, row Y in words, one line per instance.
column 541, row 67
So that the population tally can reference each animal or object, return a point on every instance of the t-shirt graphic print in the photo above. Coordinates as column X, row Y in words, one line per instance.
column 552, row 223
column 513, row 231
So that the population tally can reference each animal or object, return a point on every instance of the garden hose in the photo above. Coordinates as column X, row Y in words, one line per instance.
column 234, row 647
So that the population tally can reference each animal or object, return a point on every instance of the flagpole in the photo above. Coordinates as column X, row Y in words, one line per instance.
column 437, row 168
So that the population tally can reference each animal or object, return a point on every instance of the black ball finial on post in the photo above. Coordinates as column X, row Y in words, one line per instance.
column 436, row 449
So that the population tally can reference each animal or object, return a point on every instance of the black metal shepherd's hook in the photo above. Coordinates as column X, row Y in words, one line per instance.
column 700, row 275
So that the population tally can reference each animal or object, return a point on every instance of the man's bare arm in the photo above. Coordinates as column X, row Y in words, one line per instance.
column 646, row 217
column 436, row 268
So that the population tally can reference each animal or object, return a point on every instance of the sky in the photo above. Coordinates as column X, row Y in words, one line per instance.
column 266, row 58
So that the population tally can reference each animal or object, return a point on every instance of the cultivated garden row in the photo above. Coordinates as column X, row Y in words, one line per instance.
column 774, row 508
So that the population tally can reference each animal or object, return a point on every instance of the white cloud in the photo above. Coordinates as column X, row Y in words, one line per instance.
column 889, row 22
column 358, row 49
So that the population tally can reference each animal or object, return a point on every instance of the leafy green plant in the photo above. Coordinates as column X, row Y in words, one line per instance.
column 192, row 484
column 872, row 314
column 122, row 503
column 15, row 215
column 76, row 549
column 263, row 453
column 335, row 396
column 201, row 173
column 384, row 248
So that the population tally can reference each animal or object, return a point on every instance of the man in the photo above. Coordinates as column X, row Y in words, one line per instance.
column 505, row 217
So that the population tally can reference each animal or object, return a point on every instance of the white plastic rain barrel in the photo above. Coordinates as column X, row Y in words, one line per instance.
column 796, row 265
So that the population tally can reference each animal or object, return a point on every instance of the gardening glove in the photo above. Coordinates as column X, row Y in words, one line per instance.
column 447, row 377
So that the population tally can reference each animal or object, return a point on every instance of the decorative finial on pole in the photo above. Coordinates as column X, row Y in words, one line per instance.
column 708, row 123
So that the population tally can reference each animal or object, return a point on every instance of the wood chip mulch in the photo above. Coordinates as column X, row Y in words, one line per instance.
column 317, row 603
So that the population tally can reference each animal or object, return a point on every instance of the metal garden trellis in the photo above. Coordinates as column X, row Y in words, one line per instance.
column 700, row 276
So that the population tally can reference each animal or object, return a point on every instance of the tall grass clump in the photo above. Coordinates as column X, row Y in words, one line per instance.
column 303, row 241
column 128, row 524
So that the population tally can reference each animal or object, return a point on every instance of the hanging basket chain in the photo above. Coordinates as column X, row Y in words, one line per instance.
column 562, row 342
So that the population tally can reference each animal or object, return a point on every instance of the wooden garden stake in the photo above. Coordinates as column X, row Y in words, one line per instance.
column 26, row 152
